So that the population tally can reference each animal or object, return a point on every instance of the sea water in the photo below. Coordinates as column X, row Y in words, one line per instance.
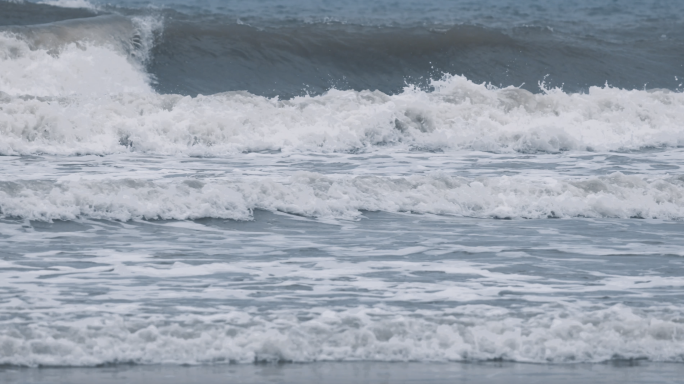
column 222, row 184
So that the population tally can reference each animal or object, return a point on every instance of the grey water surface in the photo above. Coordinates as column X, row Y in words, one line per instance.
column 317, row 191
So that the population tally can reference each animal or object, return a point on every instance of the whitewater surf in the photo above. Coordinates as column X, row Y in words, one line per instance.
column 223, row 184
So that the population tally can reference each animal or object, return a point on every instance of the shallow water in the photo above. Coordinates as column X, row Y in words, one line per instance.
column 359, row 372
column 386, row 287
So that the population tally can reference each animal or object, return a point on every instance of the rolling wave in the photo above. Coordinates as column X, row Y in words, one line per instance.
column 346, row 197
column 457, row 114
column 92, row 56
column 355, row 334
column 208, row 54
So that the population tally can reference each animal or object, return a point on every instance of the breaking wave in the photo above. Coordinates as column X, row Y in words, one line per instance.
column 88, row 57
column 346, row 197
column 456, row 114
column 469, row 333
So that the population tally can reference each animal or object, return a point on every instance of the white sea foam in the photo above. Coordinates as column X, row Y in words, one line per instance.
column 38, row 73
column 345, row 197
column 458, row 114
column 469, row 332
column 191, row 293
column 86, row 57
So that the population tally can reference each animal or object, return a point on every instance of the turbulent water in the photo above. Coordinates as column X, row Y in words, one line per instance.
column 298, row 181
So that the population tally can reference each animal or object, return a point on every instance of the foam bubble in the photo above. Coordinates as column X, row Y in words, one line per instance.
column 345, row 197
column 458, row 114
column 87, row 57
column 74, row 70
column 466, row 333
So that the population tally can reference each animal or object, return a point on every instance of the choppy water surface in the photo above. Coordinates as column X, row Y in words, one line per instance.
column 233, row 182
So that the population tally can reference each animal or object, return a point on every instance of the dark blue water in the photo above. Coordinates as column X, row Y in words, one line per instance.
column 288, row 48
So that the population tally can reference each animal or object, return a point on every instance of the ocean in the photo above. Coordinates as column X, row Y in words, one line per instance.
column 301, row 191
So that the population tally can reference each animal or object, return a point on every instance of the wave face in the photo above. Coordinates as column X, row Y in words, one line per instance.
column 17, row 13
column 293, row 181
column 270, row 51
column 290, row 60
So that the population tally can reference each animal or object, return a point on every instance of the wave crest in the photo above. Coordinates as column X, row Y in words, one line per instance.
column 88, row 57
column 457, row 114
column 468, row 333
column 346, row 197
